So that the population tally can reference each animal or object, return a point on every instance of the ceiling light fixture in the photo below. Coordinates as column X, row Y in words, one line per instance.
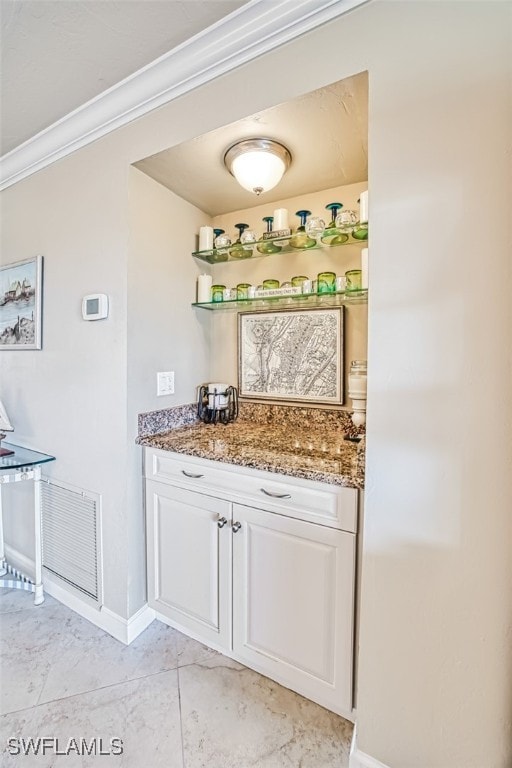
column 257, row 164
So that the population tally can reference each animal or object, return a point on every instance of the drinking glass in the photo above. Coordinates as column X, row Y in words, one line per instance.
column 248, row 237
column 332, row 235
column 315, row 226
column 360, row 232
column 326, row 282
column 218, row 292
column 353, row 277
column 237, row 251
column 301, row 239
column 242, row 290
column 270, row 284
column 221, row 241
column 267, row 246
column 346, row 220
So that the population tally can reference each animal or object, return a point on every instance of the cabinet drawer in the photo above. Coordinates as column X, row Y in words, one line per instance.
column 316, row 502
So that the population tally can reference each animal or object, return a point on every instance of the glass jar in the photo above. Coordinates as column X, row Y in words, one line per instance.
column 357, row 380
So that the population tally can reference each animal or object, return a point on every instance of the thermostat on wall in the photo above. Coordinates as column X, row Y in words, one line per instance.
column 95, row 306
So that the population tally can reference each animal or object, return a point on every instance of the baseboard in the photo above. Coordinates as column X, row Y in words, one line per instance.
column 124, row 630
column 358, row 759
column 20, row 561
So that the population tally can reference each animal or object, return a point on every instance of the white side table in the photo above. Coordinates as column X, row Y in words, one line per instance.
column 23, row 464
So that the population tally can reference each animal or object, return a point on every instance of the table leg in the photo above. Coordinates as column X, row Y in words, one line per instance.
column 3, row 570
column 38, row 581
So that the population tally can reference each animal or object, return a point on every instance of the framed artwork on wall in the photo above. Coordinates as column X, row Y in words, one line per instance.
column 21, row 293
column 292, row 356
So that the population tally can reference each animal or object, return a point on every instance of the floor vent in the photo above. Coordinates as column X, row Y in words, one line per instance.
column 72, row 536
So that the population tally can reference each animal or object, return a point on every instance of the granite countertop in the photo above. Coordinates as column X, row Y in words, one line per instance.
column 312, row 451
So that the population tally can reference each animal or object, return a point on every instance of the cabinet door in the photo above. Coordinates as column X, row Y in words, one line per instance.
column 189, row 561
column 293, row 604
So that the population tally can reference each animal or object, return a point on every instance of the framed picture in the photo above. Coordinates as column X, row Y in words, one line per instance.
column 294, row 356
column 21, row 292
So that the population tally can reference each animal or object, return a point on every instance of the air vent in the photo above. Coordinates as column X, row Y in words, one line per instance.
column 71, row 536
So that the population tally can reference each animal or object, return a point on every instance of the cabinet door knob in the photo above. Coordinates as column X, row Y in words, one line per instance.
column 276, row 495
column 221, row 522
column 191, row 474
column 236, row 526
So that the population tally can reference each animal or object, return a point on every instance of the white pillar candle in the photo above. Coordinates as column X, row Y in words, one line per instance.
column 363, row 207
column 205, row 238
column 364, row 269
column 204, row 288
column 280, row 219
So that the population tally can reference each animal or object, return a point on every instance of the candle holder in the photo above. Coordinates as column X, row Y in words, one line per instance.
column 357, row 391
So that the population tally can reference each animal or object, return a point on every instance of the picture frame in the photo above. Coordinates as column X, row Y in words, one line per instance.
column 294, row 356
column 21, row 304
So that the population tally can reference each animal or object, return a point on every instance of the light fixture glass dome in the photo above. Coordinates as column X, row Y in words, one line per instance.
column 257, row 164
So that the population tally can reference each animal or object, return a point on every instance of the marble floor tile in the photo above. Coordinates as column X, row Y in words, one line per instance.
column 28, row 647
column 143, row 713
column 89, row 658
column 19, row 600
column 189, row 651
column 233, row 718
column 173, row 701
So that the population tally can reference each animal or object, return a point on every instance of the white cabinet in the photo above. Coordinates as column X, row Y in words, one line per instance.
column 189, row 552
column 293, row 603
column 257, row 580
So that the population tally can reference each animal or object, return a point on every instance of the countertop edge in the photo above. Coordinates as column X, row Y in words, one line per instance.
column 340, row 480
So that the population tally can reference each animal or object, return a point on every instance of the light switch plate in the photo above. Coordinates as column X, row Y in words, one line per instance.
column 165, row 383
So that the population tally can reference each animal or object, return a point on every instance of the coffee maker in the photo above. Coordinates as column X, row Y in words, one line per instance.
column 217, row 402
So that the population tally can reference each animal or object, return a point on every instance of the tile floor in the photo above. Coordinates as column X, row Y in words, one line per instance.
column 172, row 701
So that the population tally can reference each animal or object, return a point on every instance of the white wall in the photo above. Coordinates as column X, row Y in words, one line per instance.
column 70, row 398
column 435, row 669
column 165, row 333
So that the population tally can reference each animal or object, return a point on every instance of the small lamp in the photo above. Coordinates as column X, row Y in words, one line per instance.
column 257, row 164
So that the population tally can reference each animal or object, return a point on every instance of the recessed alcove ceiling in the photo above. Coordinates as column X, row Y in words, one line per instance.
column 325, row 130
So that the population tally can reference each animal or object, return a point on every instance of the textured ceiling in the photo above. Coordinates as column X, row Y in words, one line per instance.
column 57, row 54
column 325, row 130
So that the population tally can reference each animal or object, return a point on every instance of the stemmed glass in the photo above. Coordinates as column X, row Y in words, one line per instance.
column 332, row 235
column 221, row 242
column 301, row 239
column 360, row 231
column 267, row 246
column 238, row 251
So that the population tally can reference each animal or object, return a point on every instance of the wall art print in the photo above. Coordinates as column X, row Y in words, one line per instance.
column 293, row 356
column 21, row 292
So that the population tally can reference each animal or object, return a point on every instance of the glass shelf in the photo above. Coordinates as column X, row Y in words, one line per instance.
column 300, row 301
column 358, row 237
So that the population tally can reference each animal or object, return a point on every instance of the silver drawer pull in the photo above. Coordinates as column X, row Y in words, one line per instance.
column 276, row 495
column 191, row 474
column 221, row 522
column 236, row 526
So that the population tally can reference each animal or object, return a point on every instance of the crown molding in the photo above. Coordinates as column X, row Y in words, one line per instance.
column 256, row 28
